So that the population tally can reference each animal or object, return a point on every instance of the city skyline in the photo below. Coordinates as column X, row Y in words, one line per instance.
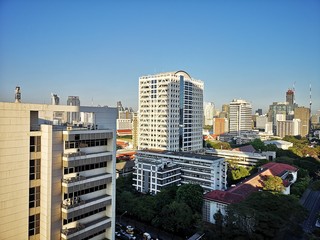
column 254, row 51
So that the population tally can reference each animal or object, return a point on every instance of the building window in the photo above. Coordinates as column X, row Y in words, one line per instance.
column 34, row 197
column 34, row 224
column 35, row 169
column 35, row 144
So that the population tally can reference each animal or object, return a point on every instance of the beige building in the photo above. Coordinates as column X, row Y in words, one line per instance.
column 56, row 181
column 303, row 114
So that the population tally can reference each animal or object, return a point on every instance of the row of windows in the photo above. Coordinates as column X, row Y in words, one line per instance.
column 35, row 169
column 34, row 224
column 85, row 143
column 66, row 221
column 84, row 167
column 34, row 197
column 85, row 191
column 93, row 235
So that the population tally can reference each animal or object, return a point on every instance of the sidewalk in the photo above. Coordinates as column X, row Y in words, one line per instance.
column 155, row 233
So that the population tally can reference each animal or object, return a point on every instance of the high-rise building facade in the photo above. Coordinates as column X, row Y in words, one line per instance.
column 56, row 181
column 277, row 109
column 303, row 114
column 240, row 116
column 220, row 126
column 290, row 97
column 73, row 116
column 170, row 112
column 209, row 112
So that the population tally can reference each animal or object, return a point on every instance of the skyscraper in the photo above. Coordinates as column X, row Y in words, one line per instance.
column 303, row 114
column 240, row 116
column 290, row 97
column 74, row 116
column 56, row 182
column 208, row 113
column 170, row 112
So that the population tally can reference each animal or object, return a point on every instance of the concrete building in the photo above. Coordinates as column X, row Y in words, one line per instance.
column 277, row 110
column 242, row 158
column 57, row 181
column 73, row 117
column 219, row 200
column 209, row 112
column 303, row 114
column 261, row 122
column 207, row 171
column 279, row 144
column 153, row 175
column 288, row 128
column 290, row 97
column 170, row 112
column 220, row 126
column 240, row 116
column 135, row 127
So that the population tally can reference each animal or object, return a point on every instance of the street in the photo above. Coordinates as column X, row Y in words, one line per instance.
column 311, row 201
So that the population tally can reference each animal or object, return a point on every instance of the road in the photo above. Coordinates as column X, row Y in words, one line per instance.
column 311, row 201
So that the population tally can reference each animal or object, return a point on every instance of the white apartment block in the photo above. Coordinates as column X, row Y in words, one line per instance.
column 207, row 171
column 151, row 176
column 240, row 116
column 209, row 112
column 56, row 181
column 170, row 112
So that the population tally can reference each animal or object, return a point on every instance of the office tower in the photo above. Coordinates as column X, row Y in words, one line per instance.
column 279, row 108
column 170, row 112
column 290, row 97
column 288, row 128
column 74, row 116
column 240, row 116
column 55, row 100
column 56, row 182
column 220, row 126
column 17, row 95
column 303, row 114
column 261, row 122
column 208, row 113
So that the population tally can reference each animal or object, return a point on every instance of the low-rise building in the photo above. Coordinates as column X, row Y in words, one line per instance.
column 242, row 158
column 207, row 171
column 279, row 144
column 219, row 200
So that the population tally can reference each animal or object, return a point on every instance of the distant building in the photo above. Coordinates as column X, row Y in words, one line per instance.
column 55, row 100
column 209, row 111
column 219, row 200
column 288, row 128
column 242, row 157
column 135, row 128
column 240, row 116
column 290, row 97
column 73, row 117
column 207, row 171
column 279, row 144
column 303, row 114
column 261, row 122
column 259, row 112
column 280, row 110
column 170, row 112
column 220, row 126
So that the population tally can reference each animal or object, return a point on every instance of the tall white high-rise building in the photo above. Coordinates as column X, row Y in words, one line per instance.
column 170, row 112
column 56, row 181
column 240, row 116
column 209, row 111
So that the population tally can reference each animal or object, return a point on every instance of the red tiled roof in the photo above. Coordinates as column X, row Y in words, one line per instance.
column 247, row 148
column 253, row 184
column 224, row 196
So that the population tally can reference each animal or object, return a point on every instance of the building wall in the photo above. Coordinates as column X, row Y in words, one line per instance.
column 170, row 112
column 240, row 116
column 303, row 114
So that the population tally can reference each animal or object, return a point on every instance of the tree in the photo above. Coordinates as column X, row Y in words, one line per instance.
column 192, row 195
column 265, row 215
column 273, row 183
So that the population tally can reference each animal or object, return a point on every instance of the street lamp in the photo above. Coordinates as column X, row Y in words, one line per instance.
column 122, row 215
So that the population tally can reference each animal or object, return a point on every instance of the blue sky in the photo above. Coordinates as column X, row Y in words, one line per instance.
column 254, row 50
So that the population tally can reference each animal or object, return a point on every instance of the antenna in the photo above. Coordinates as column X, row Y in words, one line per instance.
column 294, row 94
column 310, row 122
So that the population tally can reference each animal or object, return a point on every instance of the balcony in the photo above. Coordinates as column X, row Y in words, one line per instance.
column 76, row 206
column 85, row 230
column 80, row 182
